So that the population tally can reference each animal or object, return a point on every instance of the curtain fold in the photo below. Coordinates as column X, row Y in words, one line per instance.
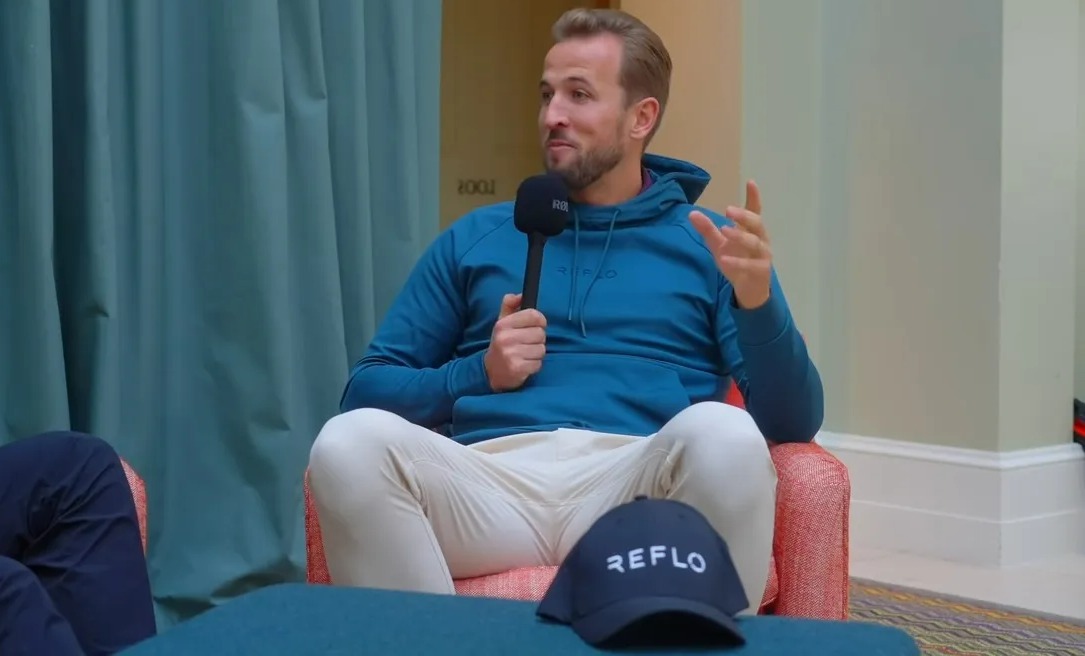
column 205, row 209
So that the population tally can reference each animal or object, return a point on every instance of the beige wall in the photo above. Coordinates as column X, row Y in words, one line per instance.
column 938, row 201
column 703, row 119
column 781, row 98
column 1040, row 137
column 1079, row 325
column 912, row 184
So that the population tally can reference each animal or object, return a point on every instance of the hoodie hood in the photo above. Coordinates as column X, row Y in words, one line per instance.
column 672, row 182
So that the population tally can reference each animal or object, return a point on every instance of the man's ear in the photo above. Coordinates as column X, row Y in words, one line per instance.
column 645, row 115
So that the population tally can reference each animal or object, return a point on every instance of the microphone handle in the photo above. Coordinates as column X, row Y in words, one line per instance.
column 533, row 270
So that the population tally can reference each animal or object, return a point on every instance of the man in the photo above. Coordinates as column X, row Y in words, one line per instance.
column 73, row 579
column 611, row 388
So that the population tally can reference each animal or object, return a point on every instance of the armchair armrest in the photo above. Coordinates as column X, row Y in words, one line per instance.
column 139, row 497
column 810, row 546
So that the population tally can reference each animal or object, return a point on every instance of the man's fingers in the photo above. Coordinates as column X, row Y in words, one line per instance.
column 534, row 335
column 711, row 234
column 740, row 242
column 528, row 368
column 748, row 221
column 530, row 335
column 533, row 352
column 530, row 318
column 512, row 317
column 753, row 197
column 509, row 303
column 744, row 264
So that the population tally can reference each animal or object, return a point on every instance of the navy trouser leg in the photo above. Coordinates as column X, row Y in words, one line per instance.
column 67, row 515
column 29, row 622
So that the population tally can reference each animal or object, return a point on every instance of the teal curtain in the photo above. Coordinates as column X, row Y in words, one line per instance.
column 206, row 207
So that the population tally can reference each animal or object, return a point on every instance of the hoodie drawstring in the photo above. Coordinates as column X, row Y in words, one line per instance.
column 576, row 270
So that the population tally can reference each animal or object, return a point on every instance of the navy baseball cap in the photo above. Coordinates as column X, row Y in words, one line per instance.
column 648, row 571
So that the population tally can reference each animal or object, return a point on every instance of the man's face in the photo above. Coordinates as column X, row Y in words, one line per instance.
column 583, row 121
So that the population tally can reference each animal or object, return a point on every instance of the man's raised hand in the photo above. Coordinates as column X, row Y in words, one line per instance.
column 742, row 252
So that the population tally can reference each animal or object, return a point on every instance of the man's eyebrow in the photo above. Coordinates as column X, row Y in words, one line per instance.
column 577, row 79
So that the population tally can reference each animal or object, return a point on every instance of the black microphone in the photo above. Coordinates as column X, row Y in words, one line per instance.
column 541, row 211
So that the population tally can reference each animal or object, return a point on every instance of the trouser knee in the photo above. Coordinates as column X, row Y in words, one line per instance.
column 71, row 450
column 16, row 581
column 29, row 621
column 710, row 433
column 353, row 446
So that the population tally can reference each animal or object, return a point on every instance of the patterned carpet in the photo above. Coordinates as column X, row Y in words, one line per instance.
column 957, row 627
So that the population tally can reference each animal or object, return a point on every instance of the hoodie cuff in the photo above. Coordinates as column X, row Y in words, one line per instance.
column 762, row 325
column 467, row 377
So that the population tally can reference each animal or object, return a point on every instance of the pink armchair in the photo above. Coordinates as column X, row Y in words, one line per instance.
column 808, row 576
column 139, row 496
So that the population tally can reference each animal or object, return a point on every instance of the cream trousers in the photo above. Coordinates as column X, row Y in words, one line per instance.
column 403, row 507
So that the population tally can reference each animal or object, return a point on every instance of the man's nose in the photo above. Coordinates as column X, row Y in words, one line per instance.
column 555, row 116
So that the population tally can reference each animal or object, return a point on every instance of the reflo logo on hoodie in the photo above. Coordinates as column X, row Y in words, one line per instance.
column 605, row 275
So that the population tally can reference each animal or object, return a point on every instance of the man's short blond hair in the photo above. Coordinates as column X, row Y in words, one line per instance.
column 646, row 64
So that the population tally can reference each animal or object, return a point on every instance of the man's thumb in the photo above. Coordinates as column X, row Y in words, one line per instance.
column 509, row 304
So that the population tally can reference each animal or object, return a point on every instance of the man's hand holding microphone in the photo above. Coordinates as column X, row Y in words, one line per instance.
column 517, row 345
column 518, row 340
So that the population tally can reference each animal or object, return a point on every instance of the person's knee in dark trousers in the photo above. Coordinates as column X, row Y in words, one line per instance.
column 29, row 622
column 67, row 516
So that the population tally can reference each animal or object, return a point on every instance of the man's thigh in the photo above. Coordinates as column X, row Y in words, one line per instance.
column 593, row 473
column 29, row 622
column 391, row 490
column 711, row 456
column 34, row 472
column 508, row 502
column 492, row 505
column 565, row 478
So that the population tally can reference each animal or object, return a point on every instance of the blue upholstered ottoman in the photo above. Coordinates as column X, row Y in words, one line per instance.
column 299, row 619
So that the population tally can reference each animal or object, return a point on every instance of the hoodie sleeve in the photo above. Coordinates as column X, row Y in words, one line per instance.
column 768, row 360
column 409, row 368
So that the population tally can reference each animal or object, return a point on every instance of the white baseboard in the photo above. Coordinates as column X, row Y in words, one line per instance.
column 976, row 507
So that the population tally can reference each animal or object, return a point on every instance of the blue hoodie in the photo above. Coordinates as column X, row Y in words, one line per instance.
column 640, row 324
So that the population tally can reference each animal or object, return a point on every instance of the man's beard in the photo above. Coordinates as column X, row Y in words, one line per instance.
column 591, row 165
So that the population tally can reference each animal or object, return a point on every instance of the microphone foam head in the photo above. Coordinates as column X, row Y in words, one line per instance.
column 542, row 205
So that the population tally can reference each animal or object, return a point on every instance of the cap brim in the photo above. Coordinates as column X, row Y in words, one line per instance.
column 607, row 622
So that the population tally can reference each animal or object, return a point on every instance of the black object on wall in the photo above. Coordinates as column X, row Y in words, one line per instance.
column 1079, row 422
